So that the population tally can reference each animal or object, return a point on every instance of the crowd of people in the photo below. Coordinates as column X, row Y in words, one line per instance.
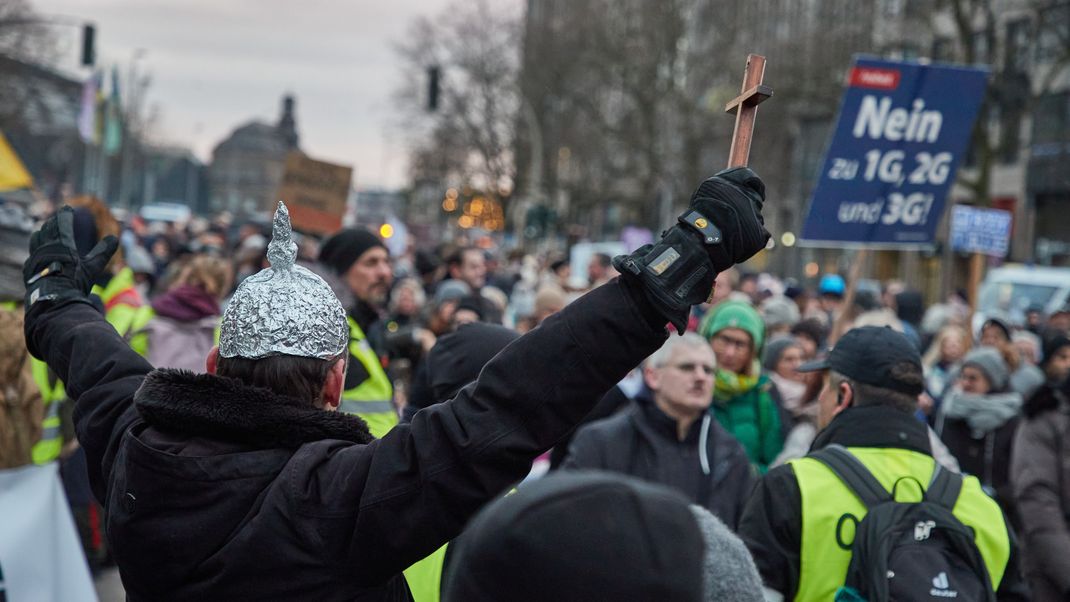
column 712, row 429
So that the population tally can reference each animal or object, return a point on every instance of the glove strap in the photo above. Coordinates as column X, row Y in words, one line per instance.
column 711, row 234
column 53, row 268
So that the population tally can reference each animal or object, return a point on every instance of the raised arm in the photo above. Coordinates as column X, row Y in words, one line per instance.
column 417, row 487
column 66, row 330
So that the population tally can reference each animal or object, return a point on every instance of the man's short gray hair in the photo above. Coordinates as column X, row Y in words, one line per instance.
column 689, row 339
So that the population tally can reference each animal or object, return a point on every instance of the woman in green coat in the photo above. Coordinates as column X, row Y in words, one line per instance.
column 743, row 399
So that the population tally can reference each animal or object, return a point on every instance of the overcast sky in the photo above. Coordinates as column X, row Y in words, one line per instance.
column 216, row 64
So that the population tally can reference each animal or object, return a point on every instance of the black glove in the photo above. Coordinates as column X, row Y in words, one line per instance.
column 733, row 200
column 722, row 226
column 54, row 271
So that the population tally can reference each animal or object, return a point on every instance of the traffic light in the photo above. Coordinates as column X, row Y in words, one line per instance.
column 89, row 51
column 432, row 88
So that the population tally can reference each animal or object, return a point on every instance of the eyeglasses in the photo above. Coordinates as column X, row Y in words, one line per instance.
column 691, row 367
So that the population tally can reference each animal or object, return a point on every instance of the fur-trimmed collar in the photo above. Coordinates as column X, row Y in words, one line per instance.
column 225, row 408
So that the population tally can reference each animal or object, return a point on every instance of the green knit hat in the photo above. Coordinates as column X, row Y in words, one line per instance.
column 734, row 314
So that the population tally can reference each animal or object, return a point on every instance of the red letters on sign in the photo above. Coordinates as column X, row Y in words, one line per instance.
column 877, row 79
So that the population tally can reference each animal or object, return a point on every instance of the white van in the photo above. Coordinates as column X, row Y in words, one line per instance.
column 1009, row 291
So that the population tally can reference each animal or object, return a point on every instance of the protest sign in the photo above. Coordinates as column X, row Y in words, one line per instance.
column 975, row 230
column 901, row 134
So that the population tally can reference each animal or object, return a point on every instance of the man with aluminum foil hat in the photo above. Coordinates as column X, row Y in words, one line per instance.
column 236, row 484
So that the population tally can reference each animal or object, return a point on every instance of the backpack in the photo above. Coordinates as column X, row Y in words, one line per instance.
column 907, row 551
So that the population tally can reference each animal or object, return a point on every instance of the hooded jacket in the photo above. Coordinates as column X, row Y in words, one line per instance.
column 643, row 443
column 214, row 490
column 182, row 332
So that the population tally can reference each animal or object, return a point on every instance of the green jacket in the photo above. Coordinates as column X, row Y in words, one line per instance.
column 752, row 417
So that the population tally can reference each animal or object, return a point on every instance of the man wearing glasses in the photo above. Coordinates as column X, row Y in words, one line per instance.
column 670, row 437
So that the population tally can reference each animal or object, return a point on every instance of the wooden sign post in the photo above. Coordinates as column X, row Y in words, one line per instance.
column 745, row 106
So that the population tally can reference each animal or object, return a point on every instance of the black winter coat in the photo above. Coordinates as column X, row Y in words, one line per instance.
column 218, row 491
column 988, row 458
column 643, row 443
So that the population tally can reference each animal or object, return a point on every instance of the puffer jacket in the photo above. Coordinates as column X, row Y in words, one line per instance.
column 1040, row 475
column 753, row 417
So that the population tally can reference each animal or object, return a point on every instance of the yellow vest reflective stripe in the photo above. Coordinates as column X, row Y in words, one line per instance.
column 49, row 446
column 425, row 577
column 825, row 499
column 372, row 399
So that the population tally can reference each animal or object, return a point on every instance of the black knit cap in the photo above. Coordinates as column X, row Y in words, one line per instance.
column 1052, row 344
column 580, row 536
column 343, row 249
column 457, row 358
column 868, row 354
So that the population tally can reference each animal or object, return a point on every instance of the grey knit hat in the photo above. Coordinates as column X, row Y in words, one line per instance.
column 774, row 349
column 990, row 361
column 778, row 312
column 729, row 574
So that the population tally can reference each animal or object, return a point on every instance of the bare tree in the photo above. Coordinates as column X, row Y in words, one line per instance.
column 25, row 38
column 469, row 138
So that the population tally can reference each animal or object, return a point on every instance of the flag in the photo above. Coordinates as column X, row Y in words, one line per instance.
column 87, row 116
column 113, row 127
column 13, row 174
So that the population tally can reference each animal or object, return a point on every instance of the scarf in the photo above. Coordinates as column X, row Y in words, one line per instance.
column 983, row 413
column 791, row 392
column 186, row 304
column 732, row 384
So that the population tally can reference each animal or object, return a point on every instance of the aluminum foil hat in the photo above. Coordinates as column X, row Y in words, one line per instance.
column 284, row 309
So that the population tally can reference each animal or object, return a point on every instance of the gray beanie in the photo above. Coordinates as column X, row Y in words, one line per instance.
column 778, row 312
column 729, row 574
column 990, row 361
column 451, row 290
column 774, row 349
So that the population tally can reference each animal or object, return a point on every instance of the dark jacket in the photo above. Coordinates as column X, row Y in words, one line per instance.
column 217, row 491
column 772, row 520
column 1040, row 475
column 986, row 456
column 643, row 443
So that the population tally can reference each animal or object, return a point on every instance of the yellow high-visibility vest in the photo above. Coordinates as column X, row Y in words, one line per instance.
column 372, row 400
column 825, row 499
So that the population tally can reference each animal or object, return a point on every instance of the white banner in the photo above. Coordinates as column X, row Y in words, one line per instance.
column 41, row 559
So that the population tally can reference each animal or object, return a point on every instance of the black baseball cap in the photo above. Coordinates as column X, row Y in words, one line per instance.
column 867, row 355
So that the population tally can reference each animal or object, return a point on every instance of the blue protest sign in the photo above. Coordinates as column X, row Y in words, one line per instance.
column 902, row 131
column 976, row 230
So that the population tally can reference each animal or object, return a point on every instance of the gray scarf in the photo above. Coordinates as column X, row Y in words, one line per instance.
column 984, row 413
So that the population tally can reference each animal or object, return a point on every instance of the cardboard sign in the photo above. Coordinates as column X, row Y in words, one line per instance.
column 975, row 230
column 901, row 134
column 315, row 192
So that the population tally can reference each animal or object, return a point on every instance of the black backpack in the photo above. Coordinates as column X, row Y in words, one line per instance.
column 907, row 551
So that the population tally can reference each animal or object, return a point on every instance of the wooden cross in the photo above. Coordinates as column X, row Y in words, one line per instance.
column 745, row 106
